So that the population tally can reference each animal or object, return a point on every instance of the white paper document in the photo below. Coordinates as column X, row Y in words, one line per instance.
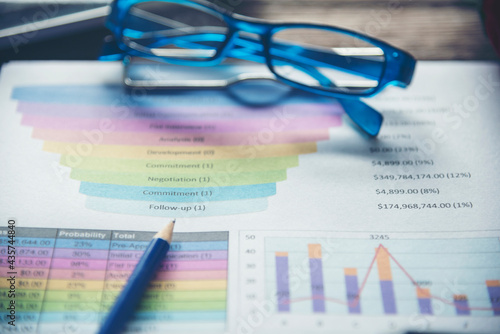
column 289, row 218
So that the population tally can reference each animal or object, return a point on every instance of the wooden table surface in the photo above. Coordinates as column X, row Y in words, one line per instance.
column 428, row 29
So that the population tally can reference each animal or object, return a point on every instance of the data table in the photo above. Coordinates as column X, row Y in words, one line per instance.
column 69, row 278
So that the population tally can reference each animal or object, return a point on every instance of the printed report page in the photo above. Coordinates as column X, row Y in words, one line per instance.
column 288, row 217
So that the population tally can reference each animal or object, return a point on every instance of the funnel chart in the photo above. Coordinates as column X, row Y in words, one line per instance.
column 184, row 153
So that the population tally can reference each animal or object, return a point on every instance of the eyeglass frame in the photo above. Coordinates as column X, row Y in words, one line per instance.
column 397, row 70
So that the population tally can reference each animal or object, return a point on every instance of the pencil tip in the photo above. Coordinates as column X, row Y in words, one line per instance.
column 166, row 232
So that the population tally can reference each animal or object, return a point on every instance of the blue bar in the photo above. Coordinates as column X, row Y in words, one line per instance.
column 282, row 284
column 461, row 304
column 388, row 298
column 425, row 306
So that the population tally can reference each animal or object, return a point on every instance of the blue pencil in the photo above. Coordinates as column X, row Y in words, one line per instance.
column 138, row 282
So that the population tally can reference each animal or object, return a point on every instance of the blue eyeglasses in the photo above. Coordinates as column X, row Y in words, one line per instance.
column 316, row 58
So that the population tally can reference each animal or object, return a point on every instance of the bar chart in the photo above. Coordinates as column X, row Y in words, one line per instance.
column 70, row 277
column 388, row 272
column 318, row 275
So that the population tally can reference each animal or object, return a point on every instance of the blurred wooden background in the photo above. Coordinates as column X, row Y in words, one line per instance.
column 428, row 29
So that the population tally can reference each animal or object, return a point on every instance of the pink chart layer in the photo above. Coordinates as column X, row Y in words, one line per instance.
column 249, row 125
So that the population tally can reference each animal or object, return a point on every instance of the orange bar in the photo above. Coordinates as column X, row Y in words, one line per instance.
column 492, row 283
column 460, row 297
column 423, row 293
column 282, row 254
column 383, row 265
column 314, row 251
column 350, row 272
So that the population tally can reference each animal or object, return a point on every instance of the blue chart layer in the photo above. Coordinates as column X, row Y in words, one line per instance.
column 159, row 194
column 112, row 95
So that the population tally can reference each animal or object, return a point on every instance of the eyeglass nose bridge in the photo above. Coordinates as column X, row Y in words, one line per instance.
column 249, row 24
column 250, row 34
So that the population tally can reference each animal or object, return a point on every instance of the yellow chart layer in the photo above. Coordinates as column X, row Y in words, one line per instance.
column 78, row 150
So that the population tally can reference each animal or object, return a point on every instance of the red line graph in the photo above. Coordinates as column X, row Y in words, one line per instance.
column 355, row 301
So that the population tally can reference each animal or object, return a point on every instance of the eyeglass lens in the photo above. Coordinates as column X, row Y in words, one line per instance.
column 326, row 59
column 174, row 31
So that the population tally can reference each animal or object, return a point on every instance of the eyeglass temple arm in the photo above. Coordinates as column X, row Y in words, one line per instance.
column 367, row 118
